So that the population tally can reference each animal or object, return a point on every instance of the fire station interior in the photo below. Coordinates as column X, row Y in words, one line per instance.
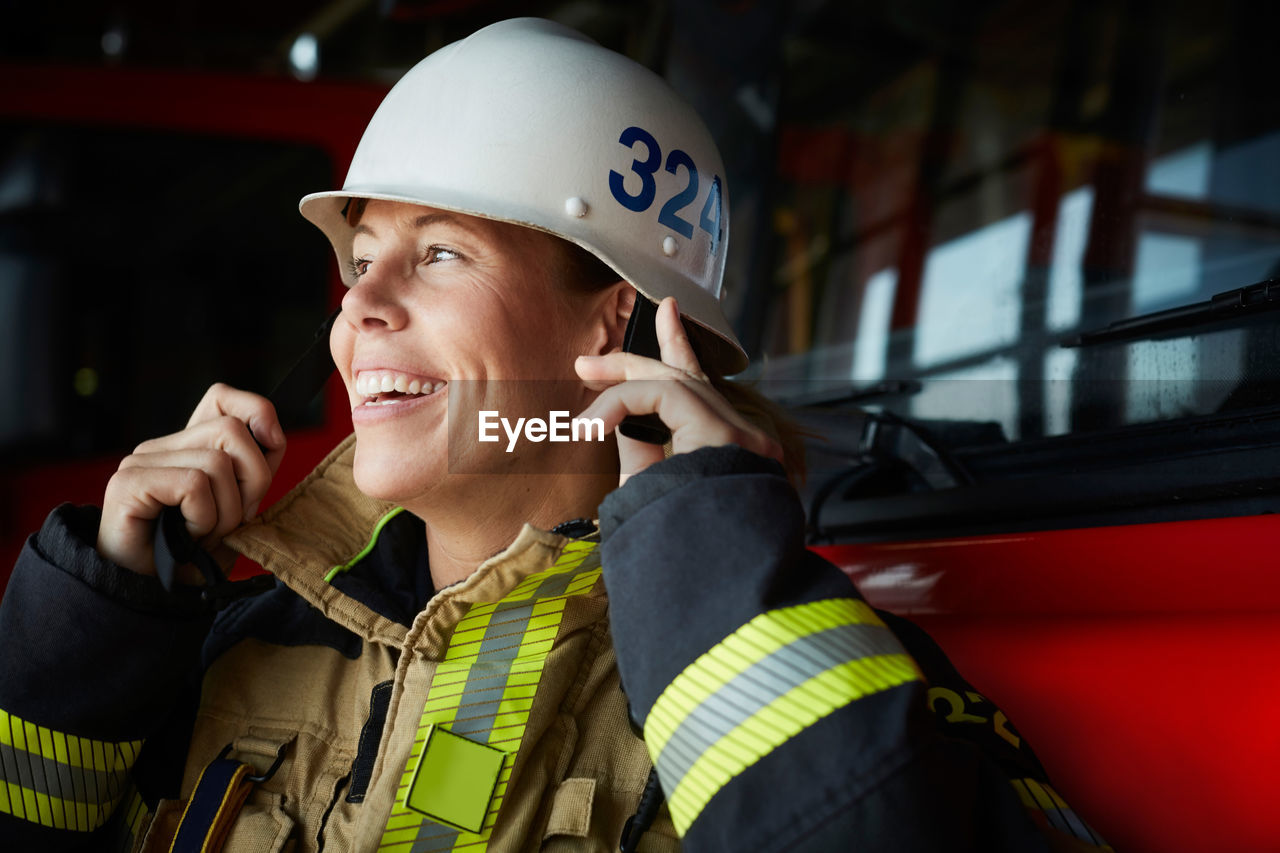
column 1013, row 266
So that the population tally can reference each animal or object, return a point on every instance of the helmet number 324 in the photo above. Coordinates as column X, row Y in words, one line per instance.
column 646, row 168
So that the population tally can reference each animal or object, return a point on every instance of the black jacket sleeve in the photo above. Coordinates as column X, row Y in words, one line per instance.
column 781, row 711
column 93, row 661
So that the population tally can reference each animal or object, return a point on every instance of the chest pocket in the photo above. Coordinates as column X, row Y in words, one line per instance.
column 586, row 818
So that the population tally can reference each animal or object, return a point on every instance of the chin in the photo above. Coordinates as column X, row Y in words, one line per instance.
column 387, row 476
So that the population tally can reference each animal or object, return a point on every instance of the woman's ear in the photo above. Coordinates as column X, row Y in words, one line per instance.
column 614, row 311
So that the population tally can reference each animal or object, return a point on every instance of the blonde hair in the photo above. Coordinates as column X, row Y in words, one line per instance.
column 770, row 417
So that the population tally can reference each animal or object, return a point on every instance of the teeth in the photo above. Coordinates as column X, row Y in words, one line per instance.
column 373, row 383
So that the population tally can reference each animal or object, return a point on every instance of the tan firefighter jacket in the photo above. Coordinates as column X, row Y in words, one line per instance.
column 782, row 712
column 578, row 770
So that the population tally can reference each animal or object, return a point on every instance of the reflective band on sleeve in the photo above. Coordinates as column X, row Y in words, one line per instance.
column 132, row 825
column 762, row 685
column 61, row 780
column 1041, row 797
column 484, row 688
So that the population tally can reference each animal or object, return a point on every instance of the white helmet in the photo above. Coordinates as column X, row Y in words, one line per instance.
column 530, row 122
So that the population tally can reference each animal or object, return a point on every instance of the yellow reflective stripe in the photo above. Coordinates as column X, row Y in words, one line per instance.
column 1041, row 797
column 763, row 635
column 763, row 684
column 137, row 814
column 67, row 749
column 779, row 721
column 520, row 630
column 60, row 780
column 55, row 812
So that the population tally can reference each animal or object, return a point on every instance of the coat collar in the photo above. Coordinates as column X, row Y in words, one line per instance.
column 326, row 521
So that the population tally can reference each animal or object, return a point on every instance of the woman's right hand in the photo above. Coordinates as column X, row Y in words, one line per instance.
column 213, row 471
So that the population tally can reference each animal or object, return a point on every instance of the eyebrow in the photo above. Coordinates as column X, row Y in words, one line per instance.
column 421, row 222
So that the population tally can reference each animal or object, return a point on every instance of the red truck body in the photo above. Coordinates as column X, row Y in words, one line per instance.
column 1134, row 658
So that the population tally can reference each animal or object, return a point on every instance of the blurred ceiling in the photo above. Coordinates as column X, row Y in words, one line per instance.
column 355, row 38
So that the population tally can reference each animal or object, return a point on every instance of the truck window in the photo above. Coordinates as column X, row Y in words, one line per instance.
column 958, row 200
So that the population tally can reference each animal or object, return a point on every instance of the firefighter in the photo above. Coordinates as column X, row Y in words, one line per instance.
column 507, row 645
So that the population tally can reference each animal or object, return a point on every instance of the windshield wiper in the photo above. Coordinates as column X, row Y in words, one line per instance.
column 1172, row 322
column 848, row 396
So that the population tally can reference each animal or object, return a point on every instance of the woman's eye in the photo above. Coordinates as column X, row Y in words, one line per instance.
column 360, row 266
column 440, row 253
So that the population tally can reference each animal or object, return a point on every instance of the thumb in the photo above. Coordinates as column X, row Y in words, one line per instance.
column 634, row 456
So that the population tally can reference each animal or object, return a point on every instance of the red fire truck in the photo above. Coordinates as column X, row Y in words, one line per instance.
column 1080, row 510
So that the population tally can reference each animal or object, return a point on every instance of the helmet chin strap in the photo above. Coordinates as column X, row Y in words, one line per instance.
column 174, row 546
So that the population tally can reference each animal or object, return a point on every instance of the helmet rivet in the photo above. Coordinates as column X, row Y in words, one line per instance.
column 670, row 246
column 576, row 207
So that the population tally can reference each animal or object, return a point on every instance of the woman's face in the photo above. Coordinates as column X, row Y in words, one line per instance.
column 448, row 306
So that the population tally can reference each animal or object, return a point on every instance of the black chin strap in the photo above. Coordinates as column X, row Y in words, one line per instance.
column 174, row 546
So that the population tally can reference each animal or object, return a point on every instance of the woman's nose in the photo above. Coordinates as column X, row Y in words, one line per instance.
column 373, row 303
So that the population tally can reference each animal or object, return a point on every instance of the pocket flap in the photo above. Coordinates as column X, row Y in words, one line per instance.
column 571, row 808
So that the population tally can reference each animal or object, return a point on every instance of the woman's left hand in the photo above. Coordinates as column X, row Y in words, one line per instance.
column 675, row 389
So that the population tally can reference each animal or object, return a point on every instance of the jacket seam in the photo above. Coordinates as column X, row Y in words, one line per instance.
column 366, row 550
column 331, row 737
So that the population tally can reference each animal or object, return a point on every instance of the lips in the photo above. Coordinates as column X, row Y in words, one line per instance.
column 405, row 393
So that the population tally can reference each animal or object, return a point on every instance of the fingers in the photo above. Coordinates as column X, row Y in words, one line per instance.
column 141, row 493
column 696, row 415
column 607, row 371
column 676, row 389
column 673, row 342
column 635, row 456
column 134, row 499
column 232, row 505
column 250, row 473
column 253, row 410
column 678, row 358
column 601, row 371
column 214, row 471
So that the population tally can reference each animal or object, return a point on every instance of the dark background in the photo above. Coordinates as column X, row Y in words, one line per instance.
column 922, row 190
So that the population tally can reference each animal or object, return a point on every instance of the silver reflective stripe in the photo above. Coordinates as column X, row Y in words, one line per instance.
column 481, row 695
column 761, row 683
column 45, row 776
column 58, row 780
column 478, row 705
column 434, row 836
column 1042, row 797
column 1078, row 827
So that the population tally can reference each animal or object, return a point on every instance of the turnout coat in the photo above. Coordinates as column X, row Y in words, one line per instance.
column 353, row 707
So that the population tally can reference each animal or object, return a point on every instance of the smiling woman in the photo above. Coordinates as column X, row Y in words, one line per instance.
column 443, row 297
column 439, row 664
